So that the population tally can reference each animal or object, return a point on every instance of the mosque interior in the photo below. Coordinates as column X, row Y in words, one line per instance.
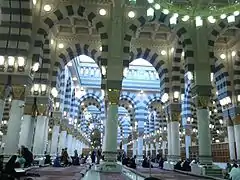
column 146, row 77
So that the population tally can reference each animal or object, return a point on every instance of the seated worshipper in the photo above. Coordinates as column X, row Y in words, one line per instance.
column 161, row 162
column 178, row 165
column 186, row 165
column 235, row 173
column 75, row 161
column 145, row 163
column 28, row 156
column 125, row 161
column 56, row 162
column 47, row 158
column 227, row 171
column 132, row 163
column 10, row 169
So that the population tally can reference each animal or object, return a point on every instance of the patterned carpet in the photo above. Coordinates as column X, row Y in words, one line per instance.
column 167, row 175
column 53, row 173
column 112, row 176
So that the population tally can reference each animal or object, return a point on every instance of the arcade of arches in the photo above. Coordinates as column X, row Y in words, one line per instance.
column 87, row 74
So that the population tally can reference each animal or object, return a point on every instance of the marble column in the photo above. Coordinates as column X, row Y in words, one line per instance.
column 237, row 135
column 80, row 147
column 175, row 142
column 110, row 138
column 69, row 144
column 151, row 149
column 188, row 140
column 62, row 141
column 169, row 138
column 14, row 123
column 164, row 146
column 147, row 149
column 27, row 130
column 157, row 147
column 40, row 134
column 231, row 140
column 73, row 145
column 46, row 131
column 204, row 137
column 140, row 147
column 134, row 150
column 54, row 144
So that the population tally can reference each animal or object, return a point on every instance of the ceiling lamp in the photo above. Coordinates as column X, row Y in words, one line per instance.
column 199, row 21
column 165, row 11
column 189, row 75
column 74, row 78
column 223, row 16
column 150, row 1
column 163, row 52
column 54, row 92
column 21, row 61
column 52, row 41
column 164, row 97
column 2, row 60
column 236, row 13
column 69, row 64
column 102, row 12
column 11, row 60
column 211, row 19
column 173, row 19
column 185, row 18
column 35, row 67
column 172, row 50
column 47, row 8
column 34, row 2
column 222, row 56
column 233, row 53
column 61, row 45
column 157, row 6
column 131, row 14
column 150, row 12
column 231, row 19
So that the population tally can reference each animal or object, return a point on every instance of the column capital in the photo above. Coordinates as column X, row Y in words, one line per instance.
column 18, row 92
column 113, row 96
column 202, row 102
column 202, row 90
column 236, row 121
column 43, row 110
column 175, row 116
column 29, row 109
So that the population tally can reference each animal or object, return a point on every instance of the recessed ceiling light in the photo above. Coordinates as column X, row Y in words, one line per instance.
column 34, row 2
column 222, row 56
column 74, row 78
column 47, row 8
column 61, row 45
column 163, row 52
column 234, row 53
column 100, row 48
column 157, row 6
column 102, row 12
column 131, row 14
column 69, row 64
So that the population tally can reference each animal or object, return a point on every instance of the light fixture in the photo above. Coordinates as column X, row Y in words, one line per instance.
column 47, row 8
column 185, row 18
column 150, row 12
column 183, row 54
column 35, row 67
column 172, row 50
column 100, row 48
column 2, row 60
column 223, row 16
column 150, row 1
column 102, row 12
column 189, row 75
column 21, row 61
column 163, row 52
column 211, row 19
column 131, row 14
column 52, row 41
column 125, row 72
column 36, row 87
column 104, row 71
column 231, row 19
column 199, row 21
column 54, row 92
column 236, row 13
column 176, row 94
column 69, row 64
column 141, row 92
column 43, row 87
column 165, row 11
column 233, row 53
column 34, row 2
column 182, row 97
column 212, row 77
column 61, row 45
column 157, row 6
column 222, row 56
column 238, row 98
column 11, row 61
column 74, row 78
column 164, row 97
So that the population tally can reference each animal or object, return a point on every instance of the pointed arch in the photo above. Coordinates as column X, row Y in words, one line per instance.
column 63, row 11
column 178, row 29
column 159, row 65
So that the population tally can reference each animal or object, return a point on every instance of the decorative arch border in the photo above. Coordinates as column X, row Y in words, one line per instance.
column 222, row 79
column 178, row 29
column 63, row 12
column 125, row 125
column 159, row 65
column 217, row 30
column 71, row 53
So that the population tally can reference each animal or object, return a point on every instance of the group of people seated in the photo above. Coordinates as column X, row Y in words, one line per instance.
column 232, row 171
column 23, row 159
column 183, row 165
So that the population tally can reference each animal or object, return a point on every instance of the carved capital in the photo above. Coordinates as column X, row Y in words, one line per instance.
column 113, row 96
column 18, row 92
column 29, row 109
column 236, row 121
column 202, row 102
column 43, row 109
column 230, row 122
column 176, row 116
